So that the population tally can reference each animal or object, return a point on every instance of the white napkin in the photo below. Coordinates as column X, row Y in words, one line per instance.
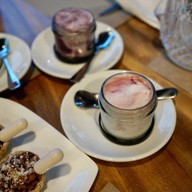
column 143, row 9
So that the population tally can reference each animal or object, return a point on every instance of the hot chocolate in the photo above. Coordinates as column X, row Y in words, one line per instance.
column 74, row 20
column 128, row 91
column 127, row 101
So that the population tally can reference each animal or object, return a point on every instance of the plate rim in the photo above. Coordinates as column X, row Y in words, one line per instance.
column 152, row 21
column 164, row 141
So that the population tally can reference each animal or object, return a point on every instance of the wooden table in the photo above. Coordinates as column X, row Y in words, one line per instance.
column 170, row 169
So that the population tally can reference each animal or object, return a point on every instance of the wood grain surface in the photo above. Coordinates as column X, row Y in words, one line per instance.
column 168, row 170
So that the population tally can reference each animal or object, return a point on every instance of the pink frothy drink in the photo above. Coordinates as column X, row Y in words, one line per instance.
column 74, row 31
column 127, row 101
column 128, row 91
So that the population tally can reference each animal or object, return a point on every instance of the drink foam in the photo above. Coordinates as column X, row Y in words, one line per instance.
column 128, row 91
column 72, row 19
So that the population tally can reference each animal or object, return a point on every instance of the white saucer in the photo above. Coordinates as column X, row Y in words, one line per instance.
column 19, row 59
column 144, row 10
column 45, row 59
column 82, row 129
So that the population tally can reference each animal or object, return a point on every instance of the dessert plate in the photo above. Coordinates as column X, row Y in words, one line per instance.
column 144, row 10
column 45, row 59
column 82, row 128
column 76, row 172
column 19, row 59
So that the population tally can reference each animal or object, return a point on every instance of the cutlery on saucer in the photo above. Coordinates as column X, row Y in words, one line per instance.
column 86, row 99
column 13, row 80
column 104, row 40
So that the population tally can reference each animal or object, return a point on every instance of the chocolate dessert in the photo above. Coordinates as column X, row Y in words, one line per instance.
column 17, row 173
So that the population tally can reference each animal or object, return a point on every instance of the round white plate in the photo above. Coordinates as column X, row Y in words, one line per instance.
column 82, row 129
column 144, row 10
column 19, row 59
column 45, row 59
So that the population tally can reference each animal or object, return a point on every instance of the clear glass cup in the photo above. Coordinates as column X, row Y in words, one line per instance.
column 175, row 19
column 74, row 32
column 127, row 104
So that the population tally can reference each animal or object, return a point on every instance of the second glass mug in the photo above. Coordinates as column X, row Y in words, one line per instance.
column 175, row 17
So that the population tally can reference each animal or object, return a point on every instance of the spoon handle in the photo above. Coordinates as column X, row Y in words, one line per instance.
column 13, row 80
column 166, row 93
column 80, row 74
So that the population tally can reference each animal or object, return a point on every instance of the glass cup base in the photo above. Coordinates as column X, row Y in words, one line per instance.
column 76, row 60
column 126, row 141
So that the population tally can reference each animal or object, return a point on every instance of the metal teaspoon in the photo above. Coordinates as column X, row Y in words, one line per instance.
column 86, row 99
column 104, row 40
column 13, row 80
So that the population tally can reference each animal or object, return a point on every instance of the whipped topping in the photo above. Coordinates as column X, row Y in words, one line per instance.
column 74, row 20
column 128, row 91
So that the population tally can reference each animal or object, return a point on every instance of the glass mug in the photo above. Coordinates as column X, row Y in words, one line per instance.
column 127, row 104
column 175, row 30
column 74, row 32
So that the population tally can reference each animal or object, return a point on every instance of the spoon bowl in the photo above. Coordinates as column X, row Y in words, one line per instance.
column 86, row 99
column 13, row 80
column 104, row 40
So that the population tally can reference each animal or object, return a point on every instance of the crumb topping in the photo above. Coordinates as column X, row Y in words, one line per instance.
column 17, row 173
